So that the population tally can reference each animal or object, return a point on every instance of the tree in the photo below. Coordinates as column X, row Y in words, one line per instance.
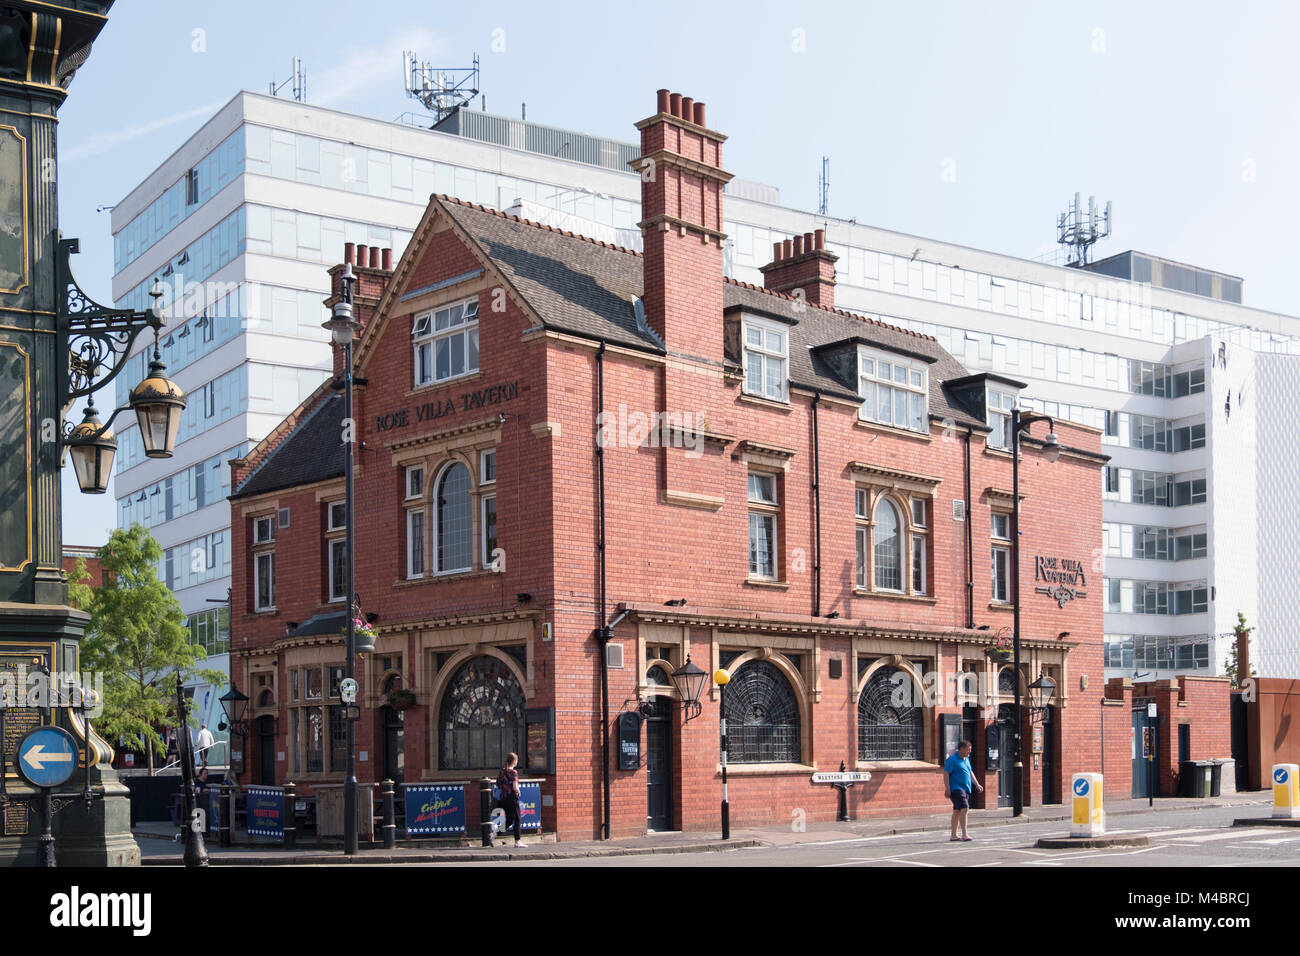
column 1230, row 665
column 137, row 639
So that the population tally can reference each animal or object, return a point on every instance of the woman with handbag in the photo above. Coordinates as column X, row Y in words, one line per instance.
column 507, row 787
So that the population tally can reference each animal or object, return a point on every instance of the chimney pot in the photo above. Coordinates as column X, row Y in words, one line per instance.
column 807, row 242
column 798, row 245
column 662, row 101
column 688, row 108
column 388, row 260
column 361, row 255
column 787, row 249
column 349, row 251
column 675, row 100
column 374, row 257
column 820, row 235
column 699, row 114
column 776, row 252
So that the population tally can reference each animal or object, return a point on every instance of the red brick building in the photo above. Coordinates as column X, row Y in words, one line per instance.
column 814, row 500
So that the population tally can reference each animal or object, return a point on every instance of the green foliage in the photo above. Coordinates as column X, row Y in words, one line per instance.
column 137, row 639
column 1230, row 665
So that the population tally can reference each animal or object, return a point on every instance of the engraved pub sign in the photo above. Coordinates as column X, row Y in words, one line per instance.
column 1063, row 579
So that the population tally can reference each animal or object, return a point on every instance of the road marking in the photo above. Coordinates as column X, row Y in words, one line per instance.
column 1220, row 835
column 1273, row 842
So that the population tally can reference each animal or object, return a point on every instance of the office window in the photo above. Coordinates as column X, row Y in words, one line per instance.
column 445, row 342
column 765, row 359
column 192, row 187
column 893, row 390
column 999, row 404
column 763, row 511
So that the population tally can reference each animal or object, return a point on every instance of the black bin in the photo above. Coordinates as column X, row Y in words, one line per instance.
column 1187, row 778
column 1216, row 777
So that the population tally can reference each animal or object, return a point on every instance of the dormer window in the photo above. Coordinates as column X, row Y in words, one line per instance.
column 894, row 390
column 998, row 405
column 766, row 359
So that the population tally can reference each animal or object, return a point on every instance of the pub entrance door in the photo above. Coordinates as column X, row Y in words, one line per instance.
column 659, row 764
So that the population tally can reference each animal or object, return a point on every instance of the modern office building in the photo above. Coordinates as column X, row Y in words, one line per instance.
column 243, row 217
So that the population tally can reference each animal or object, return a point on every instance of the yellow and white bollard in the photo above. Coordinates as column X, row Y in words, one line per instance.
column 1088, row 818
column 1286, row 790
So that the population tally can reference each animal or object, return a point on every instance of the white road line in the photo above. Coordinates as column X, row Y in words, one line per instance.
column 1230, row 835
column 1168, row 833
column 1272, row 842
column 994, row 863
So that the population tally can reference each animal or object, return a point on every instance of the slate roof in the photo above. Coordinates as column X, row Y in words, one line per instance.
column 313, row 452
column 584, row 286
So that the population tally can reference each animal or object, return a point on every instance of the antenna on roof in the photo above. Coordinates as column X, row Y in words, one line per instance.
column 824, row 187
column 1078, row 231
column 298, row 79
column 442, row 90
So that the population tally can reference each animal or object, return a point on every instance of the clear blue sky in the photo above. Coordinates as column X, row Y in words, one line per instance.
column 1183, row 114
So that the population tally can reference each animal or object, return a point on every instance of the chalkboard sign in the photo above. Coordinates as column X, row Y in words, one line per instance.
column 629, row 741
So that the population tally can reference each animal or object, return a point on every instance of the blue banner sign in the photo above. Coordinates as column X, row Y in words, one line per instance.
column 266, row 811
column 530, row 805
column 435, row 808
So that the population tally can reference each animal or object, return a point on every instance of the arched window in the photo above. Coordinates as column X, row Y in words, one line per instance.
column 1007, row 681
column 658, row 677
column 762, row 716
column 887, row 545
column 481, row 718
column 890, row 717
column 454, row 513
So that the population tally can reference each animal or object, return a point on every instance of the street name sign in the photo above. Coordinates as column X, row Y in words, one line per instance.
column 841, row 776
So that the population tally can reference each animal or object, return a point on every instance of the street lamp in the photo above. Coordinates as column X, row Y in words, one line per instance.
column 1041, row 692
column 689, row 682
column 235, row 706
column 1021, row 421
column 722, row 677
column 95, row 340
column 342, row 328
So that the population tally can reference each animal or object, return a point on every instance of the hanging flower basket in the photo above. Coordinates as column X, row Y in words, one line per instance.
column 1001, row 649
column 365, row 635
column 401, row 699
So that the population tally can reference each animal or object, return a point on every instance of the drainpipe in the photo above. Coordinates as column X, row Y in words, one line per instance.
column 970, row 554
column 817, row 510
column 604, row 632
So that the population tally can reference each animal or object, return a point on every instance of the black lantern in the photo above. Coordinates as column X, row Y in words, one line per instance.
column 158, row 403
column 1041, row 692
column 235, row 706
column 92, row 447
column 689, row 681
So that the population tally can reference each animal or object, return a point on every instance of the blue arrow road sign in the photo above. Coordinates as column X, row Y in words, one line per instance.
column 47, row 756
column 1081, row 787
column 1279, row 775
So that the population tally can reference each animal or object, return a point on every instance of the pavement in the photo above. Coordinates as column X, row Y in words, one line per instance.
column 158, row 848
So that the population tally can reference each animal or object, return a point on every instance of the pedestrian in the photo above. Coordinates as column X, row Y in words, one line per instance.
column 508, row 788
column 957, row 781
column 203, row 743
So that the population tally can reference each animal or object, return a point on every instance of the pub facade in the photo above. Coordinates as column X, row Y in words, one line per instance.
column 578, row 467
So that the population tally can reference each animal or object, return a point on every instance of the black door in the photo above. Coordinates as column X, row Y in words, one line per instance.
column 1006, row 757
column 392, row 728
column 1050, row 794
column 659, row 765
column 266, row 749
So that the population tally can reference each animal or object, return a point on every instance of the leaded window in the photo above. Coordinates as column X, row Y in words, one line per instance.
column 888, row 547
column 455, row 519
column 890, row 718
column 762, row 716
column 481, row 718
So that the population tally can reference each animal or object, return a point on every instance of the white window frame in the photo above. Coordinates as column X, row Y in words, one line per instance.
column 414, row 480
column 767, row 356
column 483, row 528
column 258, row 536
column 904, row 562
column 998, row 403
column 415, row 564
column 1000, row 544
column 330, row 524
column 916, row 382
column 461, row 319
column 337, row 550
column 767, row 510
column 487, row 467
column 257, row 580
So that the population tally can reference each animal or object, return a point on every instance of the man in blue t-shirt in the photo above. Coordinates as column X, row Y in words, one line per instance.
column 957, row 781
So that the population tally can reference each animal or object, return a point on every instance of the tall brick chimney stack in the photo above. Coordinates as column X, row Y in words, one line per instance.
column 681, row 204
column 804, row 263
column 373, row 268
